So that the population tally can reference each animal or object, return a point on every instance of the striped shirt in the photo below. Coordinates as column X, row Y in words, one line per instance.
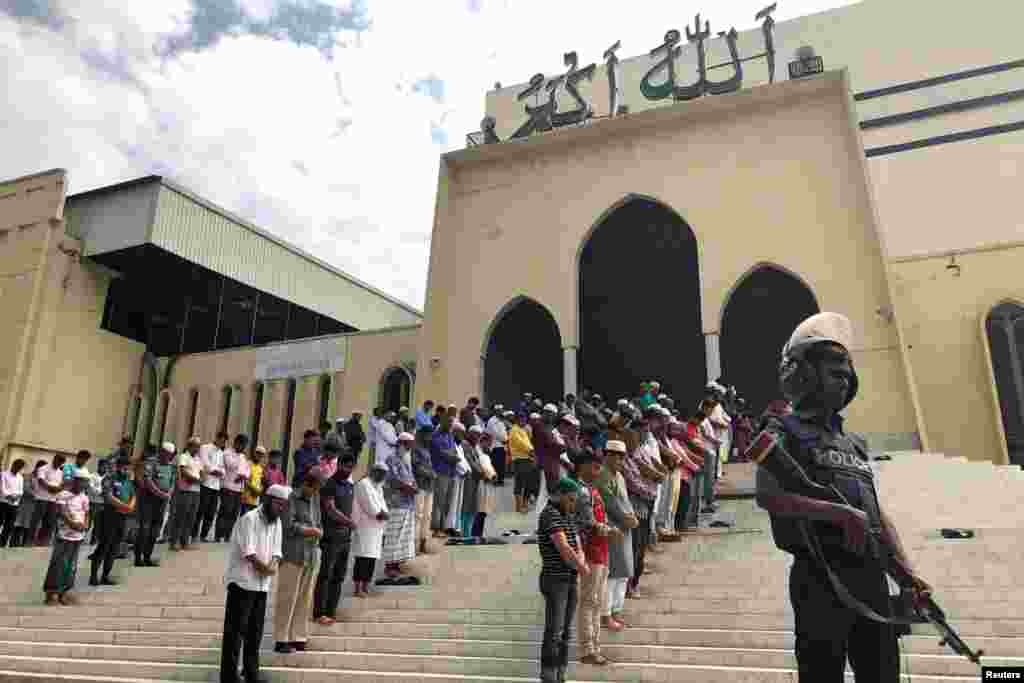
column 552, row 521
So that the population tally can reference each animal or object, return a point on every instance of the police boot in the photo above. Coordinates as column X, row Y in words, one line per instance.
column 549, row 674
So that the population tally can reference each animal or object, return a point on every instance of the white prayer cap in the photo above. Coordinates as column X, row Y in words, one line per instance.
column 279, row 492
column 615, row 446
column 339, row 419
column 452, row 405
column 550, row 408
column 168, row 447
column 476, row 429
column 662, row 397
column 404, row 409
column 261, row 449
column 534, row 416
column 498, row 407
column 509, row 413
column 406, row 436
column 623, row 402
column 656, row 385
column 571, row 420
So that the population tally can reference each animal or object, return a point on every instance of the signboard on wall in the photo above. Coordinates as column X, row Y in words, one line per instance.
column 300, row 359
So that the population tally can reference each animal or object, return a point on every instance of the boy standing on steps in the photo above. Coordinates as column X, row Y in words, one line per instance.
column 594, row 535
column 72, row 513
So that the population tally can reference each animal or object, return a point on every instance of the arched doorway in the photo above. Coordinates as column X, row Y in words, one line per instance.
column 759, row 315
column 395, row 389
column 639, row 304
column 1004, row 327
column 523, row 352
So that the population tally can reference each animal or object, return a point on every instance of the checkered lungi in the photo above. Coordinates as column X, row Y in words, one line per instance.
column 400, row 536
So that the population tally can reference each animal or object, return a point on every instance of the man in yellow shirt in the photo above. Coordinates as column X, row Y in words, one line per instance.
column 253, row 488
column 520, row 449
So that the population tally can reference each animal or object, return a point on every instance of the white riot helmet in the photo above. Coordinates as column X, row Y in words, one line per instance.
column 798, row 377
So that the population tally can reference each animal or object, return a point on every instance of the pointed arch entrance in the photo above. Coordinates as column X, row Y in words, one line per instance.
column 759, row 315
column 395, row 389
column 639, row 303
column 522, row 352
column 1004, row 327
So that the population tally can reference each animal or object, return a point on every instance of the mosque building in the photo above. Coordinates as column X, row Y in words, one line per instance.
column 672, row 215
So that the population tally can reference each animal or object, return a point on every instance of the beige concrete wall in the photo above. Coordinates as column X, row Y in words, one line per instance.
column 63, row 381
column 943, row 321
column 369, row 355
column 772, row 174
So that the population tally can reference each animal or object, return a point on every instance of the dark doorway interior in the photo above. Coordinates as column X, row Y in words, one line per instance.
column 524, row 354
column 640, row 305
column 395, row 390
column 1005, row 329
column 759, row 318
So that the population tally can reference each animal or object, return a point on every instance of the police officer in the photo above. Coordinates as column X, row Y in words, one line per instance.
column 818, row 378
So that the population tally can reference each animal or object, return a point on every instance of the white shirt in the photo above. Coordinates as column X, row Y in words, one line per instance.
column 12, row 487
column 235, row 465
column 387, row 441
column 52, row 476
column 252, row 536
column 496, row 428
column 371, row 430
column 212, row 459
column 194, row 467
column 96, row 489
column 368, row 502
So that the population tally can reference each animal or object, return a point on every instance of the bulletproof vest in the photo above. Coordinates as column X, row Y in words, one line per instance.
column 831, row 459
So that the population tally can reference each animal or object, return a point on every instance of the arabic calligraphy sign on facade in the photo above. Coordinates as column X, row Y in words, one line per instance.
column 660, row 82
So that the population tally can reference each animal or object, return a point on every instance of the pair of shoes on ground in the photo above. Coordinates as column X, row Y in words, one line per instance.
column 288, row 648
column 105, row 581
column 595, row 660
column 398, row 581
column 146, row 563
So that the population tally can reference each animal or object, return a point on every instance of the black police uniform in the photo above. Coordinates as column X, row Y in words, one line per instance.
column 827, row 631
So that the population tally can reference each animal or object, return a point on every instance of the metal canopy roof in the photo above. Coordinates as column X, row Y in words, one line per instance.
column 154, row 210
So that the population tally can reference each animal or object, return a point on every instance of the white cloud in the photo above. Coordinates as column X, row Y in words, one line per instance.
column 334, row 150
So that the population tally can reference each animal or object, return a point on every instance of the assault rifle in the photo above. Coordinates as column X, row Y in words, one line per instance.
column 768, row 452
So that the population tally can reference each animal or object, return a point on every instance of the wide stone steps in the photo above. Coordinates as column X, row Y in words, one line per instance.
column 983, row 609
column 715, row 620
column 717, row 607
column 202, row 665
column 400, row 638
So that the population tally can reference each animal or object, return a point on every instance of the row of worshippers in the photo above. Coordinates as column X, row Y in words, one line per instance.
column 602, row 504
column 305, row 534
column 29, row 499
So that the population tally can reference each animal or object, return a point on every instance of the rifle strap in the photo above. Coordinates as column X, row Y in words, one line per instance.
column 845, row 596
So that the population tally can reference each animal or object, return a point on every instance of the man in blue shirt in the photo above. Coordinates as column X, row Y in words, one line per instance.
column 424, row 416
column 443, row 458
column 306, row 457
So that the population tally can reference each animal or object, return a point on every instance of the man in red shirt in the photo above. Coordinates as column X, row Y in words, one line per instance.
column 594, row 534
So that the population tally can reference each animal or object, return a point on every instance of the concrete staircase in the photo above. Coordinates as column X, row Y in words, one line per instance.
column 719, row 610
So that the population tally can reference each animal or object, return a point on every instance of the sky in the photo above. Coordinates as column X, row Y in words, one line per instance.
column 321, row 121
